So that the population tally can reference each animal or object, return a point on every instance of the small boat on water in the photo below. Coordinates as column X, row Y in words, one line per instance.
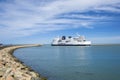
column 70, row 41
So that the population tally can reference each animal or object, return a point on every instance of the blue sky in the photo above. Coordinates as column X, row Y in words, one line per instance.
column 39, row 21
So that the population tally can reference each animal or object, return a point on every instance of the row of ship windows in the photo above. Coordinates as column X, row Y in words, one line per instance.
column 69, row 40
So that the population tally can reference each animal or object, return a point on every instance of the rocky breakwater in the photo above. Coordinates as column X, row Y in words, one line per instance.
column 13, row 69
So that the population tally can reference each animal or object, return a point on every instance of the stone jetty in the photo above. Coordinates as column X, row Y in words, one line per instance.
column 13, row 69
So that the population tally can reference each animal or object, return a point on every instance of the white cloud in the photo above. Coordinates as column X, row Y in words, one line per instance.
column 106, row 8
column 20, row 17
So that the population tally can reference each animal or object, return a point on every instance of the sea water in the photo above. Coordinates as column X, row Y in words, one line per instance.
column 73, row 62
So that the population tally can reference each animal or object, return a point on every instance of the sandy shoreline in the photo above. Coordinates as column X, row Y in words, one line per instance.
column 13, row 69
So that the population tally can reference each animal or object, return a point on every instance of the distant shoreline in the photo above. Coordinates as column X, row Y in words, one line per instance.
column 103, row 44
column 11, row 68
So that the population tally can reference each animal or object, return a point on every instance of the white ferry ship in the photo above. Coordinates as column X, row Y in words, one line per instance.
column 70, row 41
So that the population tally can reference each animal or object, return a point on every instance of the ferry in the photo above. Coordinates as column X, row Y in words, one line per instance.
column 70, row 41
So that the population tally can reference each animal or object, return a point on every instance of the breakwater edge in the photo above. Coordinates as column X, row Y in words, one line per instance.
column 13, row 69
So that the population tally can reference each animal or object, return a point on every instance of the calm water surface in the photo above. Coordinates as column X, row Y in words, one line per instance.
column 73, row 62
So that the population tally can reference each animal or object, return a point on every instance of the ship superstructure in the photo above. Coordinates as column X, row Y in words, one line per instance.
column 70, row 41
